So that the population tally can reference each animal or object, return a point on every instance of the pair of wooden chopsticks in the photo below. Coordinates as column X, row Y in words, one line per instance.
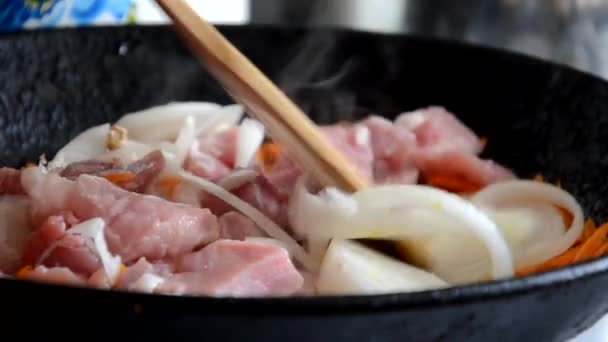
column 285, row 122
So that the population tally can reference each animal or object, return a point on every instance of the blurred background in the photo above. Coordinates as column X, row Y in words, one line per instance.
column 573, row 32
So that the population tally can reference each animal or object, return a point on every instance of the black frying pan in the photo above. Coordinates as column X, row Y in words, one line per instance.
column 539, row 117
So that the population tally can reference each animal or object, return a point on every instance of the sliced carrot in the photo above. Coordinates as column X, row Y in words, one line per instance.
column 268, row 155
column 120, row 177
column 169, row 185
column 23, row 272
column 453, row 184
column 561, row 260
column 592, row 244
column 588, row 230
column 121, row 272
column 602, row 251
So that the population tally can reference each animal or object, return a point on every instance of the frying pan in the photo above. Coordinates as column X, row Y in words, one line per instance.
column 539, row 118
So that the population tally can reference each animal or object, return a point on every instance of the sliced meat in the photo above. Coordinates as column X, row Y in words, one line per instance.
column 440, row 130
column 146, row 170
column 283, row 175
column 99, row 280
column 55, row 275
column 464, row 166
column 205, row 165
column 221, row 145
column 138, row 225
column 139, row 174
column 260, row 194
column 355, row 143
column 87, row 167
column 236, row 226
column 10, row 182
column 213, row 156
column 235, row 269
column 51, row 246
column 394, row 152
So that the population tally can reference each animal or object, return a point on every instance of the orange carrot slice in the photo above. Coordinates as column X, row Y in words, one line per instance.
column 169, row 184
column 120, row 177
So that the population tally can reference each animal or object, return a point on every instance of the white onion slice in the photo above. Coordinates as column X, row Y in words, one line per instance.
column 163, row 123
column 130, row 152
column 510, row 193
column 94, row 229
column 87, row 145
column 350, row 268
column 237, row 178
column 147, row 283
column 272, row 229
column 225, row 117
column 250, row 137
column 176, row 153
column 403, row 212
column 14, row 229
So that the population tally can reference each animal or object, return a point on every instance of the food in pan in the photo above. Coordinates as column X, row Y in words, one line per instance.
column 193, row 199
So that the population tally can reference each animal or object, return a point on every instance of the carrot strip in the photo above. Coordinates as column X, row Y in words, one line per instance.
column 453, row 184
column 169, row 185
column 121, row 272
column 268, row 155
column 601, row 251
column 23, row 272
column 561, row 260
column 120, row 177
column 591, row 245
column 588, row 230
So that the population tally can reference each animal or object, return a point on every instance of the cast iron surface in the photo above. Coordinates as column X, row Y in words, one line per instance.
column 539, row 117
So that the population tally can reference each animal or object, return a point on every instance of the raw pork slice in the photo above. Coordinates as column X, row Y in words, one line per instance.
column 235, row 269
column 138, row 225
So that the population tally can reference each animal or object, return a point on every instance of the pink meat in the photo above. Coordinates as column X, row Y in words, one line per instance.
column 394, row 152
column 235, row 269
column 138, row 225
column 283, row 175
column 99, row 280
column 457, row 164
column 354, row 142
column 10, row 182
column 55, row 275
column 205, row 165
column 213, row 156
column 236, row 226
column 440, row 130
column 146, row 170
column 53, row 247
column 260, row 193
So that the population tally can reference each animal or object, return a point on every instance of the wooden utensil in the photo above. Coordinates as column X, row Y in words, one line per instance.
column 284, row 121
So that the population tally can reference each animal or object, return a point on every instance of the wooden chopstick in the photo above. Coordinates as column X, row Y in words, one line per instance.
column 285, row 122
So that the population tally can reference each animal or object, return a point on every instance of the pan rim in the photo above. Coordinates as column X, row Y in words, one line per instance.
column 341, row 305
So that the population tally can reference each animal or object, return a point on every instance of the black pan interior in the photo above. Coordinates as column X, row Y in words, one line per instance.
column 539, row 117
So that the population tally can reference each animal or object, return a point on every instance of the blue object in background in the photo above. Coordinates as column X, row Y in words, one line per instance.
column 21, row 14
